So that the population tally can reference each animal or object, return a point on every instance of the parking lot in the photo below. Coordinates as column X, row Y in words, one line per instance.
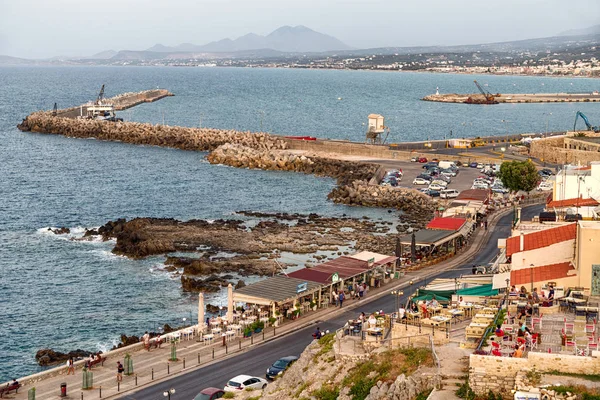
column 462, row 181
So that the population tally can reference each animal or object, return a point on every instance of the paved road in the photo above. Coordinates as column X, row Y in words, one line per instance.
column 257, row 360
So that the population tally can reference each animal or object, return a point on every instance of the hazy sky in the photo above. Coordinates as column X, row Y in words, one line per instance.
column 45, row 28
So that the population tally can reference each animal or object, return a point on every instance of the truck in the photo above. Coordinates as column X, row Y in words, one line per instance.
column 446, row 164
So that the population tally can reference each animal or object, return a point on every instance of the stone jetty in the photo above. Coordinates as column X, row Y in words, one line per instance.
column 199, row 139
column 517, row 98
column 241, row 156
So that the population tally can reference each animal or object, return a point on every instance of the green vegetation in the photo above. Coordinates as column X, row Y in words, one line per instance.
column 254, row 398
column 583, row 392
column 492, row 396
column 580, row 134
column 229, row 395
column 327, row 392
column 592, row 378
column 386, row 367
column 465, row 392
column 326, row 343
column 534, row 377
column 300, row 389
column 519, row 175
column 423, row 395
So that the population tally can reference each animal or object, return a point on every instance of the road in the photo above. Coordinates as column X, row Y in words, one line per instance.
column 258, row 359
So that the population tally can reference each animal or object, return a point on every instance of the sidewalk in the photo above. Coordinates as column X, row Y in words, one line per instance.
column 154, row 366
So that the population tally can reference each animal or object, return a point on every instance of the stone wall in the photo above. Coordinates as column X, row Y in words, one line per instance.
column 552, row 150
column 499, row 374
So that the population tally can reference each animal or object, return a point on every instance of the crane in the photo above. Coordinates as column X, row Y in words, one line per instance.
column 100, row 96
column 489, row 98
column 587, row 123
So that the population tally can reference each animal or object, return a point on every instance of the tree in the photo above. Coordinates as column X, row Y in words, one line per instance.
column 519, row 175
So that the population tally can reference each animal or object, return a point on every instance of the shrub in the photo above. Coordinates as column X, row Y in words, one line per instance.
column 327, row 392
column 229, row 395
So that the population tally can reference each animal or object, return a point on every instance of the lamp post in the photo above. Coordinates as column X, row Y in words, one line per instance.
column 502, row 149
column 168, row 393
column 456, row 290
column 397, row 294
column 547, row 122
column 531, row 276
column 507, row 290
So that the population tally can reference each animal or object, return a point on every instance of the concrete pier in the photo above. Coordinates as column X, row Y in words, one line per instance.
column 518, row 98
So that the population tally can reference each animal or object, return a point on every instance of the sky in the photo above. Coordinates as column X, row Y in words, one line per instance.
column 46, row 28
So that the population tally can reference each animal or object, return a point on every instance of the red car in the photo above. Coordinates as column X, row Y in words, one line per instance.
column 422, row 160
column 210, row 394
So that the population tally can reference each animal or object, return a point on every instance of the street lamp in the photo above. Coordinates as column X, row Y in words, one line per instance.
column 397, row 294
column 168, row 393
column 531, row 277
column 547, row 122
column 503, row 149
column 507, row 290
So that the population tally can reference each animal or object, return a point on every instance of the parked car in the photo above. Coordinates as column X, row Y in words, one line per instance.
column 430, row 164
column 414, row 159
column 545, row 186
column 449, row 193
column 448, row 172
column 479, row 186
column 440, row 182
column 479, row 165
column 447, row 164
column 546, row 172
column 420, row 181
column 242, row 382
column 436, row 186
column 444, row 178
column 422, row 159
column 389, row 181
column 573, row 217
column 395, row 173
column 210, row 393
column 425, row 176
column 432, row 193
column 547, row 216
column 499, row 189
column 280, row 366
column 473, row 164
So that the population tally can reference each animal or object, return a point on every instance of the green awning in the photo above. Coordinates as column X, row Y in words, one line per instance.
column 481, row 290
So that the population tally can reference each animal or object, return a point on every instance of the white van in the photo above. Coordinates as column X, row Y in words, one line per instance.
column 446, row 164
column 449, row 193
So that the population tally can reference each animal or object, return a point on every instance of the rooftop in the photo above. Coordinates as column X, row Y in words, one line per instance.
column 474, row 194
column 539, row 239
column 542, row 273
column 277, row 289
column 446, row 223
column 575, row 202
column 427, row 237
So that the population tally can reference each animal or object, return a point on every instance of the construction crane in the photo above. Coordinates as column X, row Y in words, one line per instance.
column 589, row 126
column 100, row 96
column 489, row 98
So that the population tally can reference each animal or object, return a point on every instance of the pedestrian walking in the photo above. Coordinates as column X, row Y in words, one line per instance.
column 336, row 298
column 342, row 297
column 120, row 370
column 485, row 224
column 146, row 340
column 70, row 366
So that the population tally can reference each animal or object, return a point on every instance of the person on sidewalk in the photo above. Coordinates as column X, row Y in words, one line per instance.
column 341, row 298
column 336, row 298
column 146, row 340
column 120, row 370
column 70, row 366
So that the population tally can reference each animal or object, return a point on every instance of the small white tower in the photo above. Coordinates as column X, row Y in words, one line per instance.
column 437, row 91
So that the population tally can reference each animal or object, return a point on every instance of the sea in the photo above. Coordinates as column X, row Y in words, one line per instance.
column 65, row 294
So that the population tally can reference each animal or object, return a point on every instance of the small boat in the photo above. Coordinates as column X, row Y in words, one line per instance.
column 301, row 137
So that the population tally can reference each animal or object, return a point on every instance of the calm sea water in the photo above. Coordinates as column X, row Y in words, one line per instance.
column 64, row 294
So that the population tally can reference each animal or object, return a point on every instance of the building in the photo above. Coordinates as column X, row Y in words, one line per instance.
column 574, row 182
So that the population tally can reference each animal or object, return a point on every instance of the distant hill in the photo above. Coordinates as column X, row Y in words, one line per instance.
column 592, row 30
column 8, row 60
column 103, row 55
column 289, row 39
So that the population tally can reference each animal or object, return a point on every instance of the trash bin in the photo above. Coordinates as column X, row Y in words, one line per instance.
column 63, row 389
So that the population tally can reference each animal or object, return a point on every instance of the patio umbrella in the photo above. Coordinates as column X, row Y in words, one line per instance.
column 201, row 312
column 398, row 252
column 413, row 248
column 229, row 303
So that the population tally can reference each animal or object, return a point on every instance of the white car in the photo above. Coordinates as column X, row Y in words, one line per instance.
column 545, row 187
column 449, row 193
column 477, row 186
column 480, row 182
column 420, row 181
column 242, row 382
column 435, row 186
column 440, row 182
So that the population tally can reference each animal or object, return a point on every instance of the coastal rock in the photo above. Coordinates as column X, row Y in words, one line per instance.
column 212, row 309
column 211, row 284
column 240, row 284
column 46, row 357
column 60, row 231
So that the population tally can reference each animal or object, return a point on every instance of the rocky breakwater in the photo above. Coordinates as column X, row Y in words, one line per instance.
column 413, row 202
column 198, row 139
column 241, row 156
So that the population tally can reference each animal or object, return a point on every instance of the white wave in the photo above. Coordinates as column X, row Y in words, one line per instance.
column 104, row 347
column 107, row 255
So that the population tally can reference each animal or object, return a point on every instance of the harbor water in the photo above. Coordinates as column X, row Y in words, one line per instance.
column 68, row 294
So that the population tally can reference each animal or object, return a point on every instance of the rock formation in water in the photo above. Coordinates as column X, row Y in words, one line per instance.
column 46, row 357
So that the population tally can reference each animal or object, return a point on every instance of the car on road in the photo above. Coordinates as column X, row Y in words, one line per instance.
column 210, row 393
column 435, row 186
column 422, row 160
column 449, row 193
column 473, row 164
column 420, row 181
column 279, row 366
column 242, row 382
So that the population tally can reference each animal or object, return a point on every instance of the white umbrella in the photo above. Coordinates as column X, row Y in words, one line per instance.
column 229, row 303
column 201, row 312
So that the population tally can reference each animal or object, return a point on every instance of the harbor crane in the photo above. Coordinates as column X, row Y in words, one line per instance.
column 489, row 98
column 100, row 96
column 589, row 126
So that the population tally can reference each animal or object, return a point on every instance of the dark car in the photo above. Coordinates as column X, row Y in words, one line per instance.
column 573, row 217
column 473, row 164
column 430, row 164
column 210, row 393
column 548, row 216
column 389, row 181
column 432, row 193
column 547, row 172
column 425, row 176
column 280, row 366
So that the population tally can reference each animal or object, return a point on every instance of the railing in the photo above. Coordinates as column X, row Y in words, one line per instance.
column 435, row 356
column 490, row 328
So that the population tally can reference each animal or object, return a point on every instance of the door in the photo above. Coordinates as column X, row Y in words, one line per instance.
column 595, row 280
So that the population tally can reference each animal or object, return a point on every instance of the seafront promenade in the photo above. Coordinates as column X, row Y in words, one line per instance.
column 154, row 366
